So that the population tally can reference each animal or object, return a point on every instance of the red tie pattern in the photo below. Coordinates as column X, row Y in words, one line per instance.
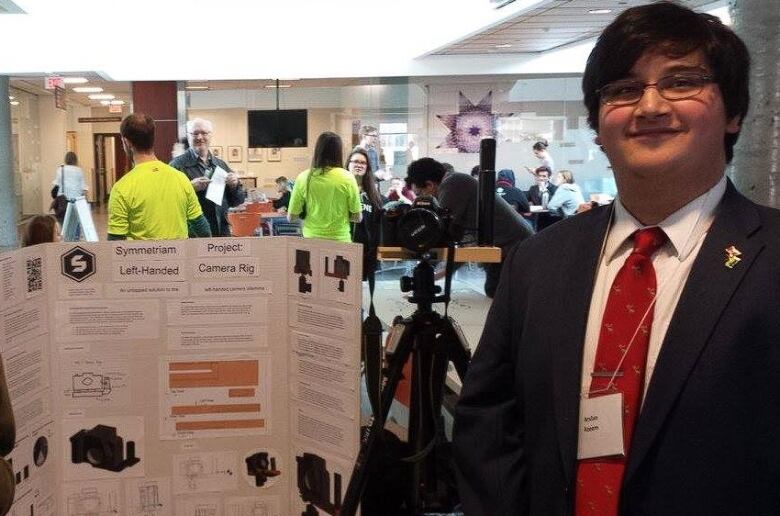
column 625, row 331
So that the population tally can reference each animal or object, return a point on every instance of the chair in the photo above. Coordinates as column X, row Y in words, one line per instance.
column 260, row 207
column 243, row 223
column 287, row 229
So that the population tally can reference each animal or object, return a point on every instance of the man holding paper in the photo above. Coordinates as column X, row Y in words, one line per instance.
column 217, row 186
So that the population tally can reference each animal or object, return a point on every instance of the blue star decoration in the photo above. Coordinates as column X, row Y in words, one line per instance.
column 471, row 124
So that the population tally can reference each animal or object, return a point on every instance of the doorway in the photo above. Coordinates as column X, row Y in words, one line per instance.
column 110, row 164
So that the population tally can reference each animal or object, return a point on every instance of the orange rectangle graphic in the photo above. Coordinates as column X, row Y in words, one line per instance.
column 241, row 393
column 224, row 373
column 220, row 425
column 183, row 410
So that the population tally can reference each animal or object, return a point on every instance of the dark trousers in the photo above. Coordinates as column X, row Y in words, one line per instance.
column 492, row 275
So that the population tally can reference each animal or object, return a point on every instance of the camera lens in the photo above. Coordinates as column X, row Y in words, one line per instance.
column 95, row 456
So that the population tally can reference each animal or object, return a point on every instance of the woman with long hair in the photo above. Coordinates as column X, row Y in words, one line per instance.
column 366, row 231
column 325, row 195
column 567, row 197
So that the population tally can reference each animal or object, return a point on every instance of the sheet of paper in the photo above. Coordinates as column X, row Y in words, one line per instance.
column 216, row 189
column 85, row 217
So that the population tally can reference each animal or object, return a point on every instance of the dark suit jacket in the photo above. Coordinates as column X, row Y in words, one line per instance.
column 216, row 215
column 707, row 440
column 7, row 441
column 535, row 197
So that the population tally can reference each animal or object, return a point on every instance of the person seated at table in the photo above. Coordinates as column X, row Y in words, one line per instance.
column 505, row 187
column 400, row 192
column 282, row 187
column 568, row 195
column 540, row 195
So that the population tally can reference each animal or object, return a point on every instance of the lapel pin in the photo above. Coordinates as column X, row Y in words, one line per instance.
column 732, row 257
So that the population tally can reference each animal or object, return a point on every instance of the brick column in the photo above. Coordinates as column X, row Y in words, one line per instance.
column 158, row 99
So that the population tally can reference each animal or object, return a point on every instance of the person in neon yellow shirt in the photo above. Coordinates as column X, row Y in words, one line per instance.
column 327, row 193
column 153, row 201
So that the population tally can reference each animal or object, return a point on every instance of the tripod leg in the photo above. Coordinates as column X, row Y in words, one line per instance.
column 458, row 348
column 373, row 434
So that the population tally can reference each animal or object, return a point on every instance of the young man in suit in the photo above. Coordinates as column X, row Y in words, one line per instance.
column 652, row 387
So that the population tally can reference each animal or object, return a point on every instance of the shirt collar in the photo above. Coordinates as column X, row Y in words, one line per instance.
column 195, row 156
column 683, row 227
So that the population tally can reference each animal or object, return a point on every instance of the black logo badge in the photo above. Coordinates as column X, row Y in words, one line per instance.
column 78, row 264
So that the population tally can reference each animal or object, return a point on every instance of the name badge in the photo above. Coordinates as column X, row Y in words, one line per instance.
column 601, row 427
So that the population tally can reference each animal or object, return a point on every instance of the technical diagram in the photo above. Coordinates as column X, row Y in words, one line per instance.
column 214, row 396
column 207, row 471
column 89, row 384
column 89, row 501
column 250, row 506
column 148, row 497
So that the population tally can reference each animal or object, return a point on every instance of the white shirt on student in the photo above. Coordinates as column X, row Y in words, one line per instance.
column 686, row 229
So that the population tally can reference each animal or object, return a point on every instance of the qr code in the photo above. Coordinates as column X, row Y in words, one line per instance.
column 34, row 275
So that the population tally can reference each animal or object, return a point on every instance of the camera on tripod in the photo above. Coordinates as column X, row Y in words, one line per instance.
column 423, row 226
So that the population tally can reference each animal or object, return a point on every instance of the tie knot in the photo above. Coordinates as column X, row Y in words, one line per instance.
column 648, row 240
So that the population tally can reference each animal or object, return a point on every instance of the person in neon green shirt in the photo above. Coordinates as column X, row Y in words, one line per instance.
column 153, row 201
column 328, row 194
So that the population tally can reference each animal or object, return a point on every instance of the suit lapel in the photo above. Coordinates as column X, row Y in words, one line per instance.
column 569, row 335
column 706, row 294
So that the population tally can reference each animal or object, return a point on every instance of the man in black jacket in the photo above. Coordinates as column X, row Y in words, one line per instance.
column 199, row 164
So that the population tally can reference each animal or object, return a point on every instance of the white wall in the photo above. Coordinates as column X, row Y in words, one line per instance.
column 53, row 125
column 230, row 129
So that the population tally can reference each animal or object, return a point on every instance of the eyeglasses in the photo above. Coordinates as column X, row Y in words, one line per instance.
column 358, row 163
column 200, row 133
column 672, row 87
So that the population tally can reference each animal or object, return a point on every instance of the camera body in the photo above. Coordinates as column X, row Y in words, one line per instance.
column 418, row 228
column 102, row 448
column 314, row 483
column 261, row 466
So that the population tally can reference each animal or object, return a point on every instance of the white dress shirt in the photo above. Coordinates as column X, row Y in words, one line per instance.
column 686, row 230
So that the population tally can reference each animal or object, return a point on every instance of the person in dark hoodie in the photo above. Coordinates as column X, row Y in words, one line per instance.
column 505, row 187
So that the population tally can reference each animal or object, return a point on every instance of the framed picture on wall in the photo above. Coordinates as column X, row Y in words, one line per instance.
column 235, row 154
column 274, row 154
column 254, row 153
column 216, row 151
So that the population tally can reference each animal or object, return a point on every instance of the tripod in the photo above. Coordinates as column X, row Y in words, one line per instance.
column 432, row 341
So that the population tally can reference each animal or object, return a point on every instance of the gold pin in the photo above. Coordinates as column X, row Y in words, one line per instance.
column 732, row 257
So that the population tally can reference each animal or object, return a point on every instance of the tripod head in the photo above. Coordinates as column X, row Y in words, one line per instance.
column 422, row 286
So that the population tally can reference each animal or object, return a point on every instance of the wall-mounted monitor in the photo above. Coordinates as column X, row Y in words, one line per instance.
column 278, row 128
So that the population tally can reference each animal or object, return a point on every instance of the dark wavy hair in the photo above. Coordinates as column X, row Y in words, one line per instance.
column 368, row 181
column 674, row 31
column 423, row 170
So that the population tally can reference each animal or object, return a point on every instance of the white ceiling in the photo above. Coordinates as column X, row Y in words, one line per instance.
column 114, row 42
column 550, row 26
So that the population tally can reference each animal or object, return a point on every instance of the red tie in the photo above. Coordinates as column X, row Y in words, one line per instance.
column 628, row 317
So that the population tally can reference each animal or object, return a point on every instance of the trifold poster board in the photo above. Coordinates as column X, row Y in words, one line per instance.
column 209, row 377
